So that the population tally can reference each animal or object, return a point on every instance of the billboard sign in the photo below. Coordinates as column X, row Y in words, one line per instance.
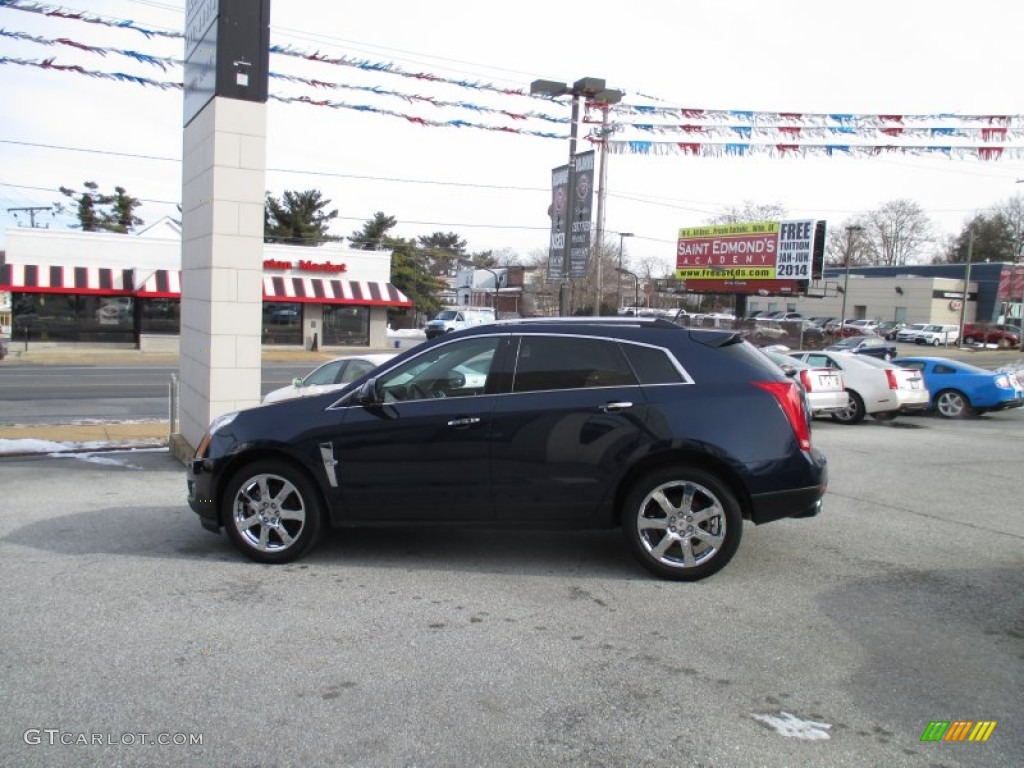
column 578, row 206
column 765, row 256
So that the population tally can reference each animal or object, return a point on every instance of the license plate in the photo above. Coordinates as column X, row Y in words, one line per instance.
column 830, row 381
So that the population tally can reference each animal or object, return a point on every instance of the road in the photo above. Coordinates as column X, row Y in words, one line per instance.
column 832, row 641
column 58, row 394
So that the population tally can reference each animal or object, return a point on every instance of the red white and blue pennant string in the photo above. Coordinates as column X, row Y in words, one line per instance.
column 700, row 132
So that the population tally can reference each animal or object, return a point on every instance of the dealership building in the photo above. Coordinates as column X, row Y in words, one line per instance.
column 933, row 293
column 68, row 287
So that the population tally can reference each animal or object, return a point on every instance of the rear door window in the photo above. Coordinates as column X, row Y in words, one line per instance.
column 569, row 362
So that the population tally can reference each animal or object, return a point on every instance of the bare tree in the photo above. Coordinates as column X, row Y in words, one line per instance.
column 897, row 233
column 750, row 212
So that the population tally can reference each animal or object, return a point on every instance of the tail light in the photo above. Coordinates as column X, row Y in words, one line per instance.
column 805, row 378
column 787, row 393
column 890, row 374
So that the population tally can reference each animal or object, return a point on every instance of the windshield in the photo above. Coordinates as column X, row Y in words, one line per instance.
column 447, row 314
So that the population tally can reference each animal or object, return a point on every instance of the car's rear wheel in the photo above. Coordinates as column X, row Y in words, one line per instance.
column 970, row 340
column 682, row 523
column 272, row 512
column 952, row 404
column 854, row 411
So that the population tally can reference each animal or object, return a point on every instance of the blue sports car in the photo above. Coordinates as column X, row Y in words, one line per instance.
column 961, row 389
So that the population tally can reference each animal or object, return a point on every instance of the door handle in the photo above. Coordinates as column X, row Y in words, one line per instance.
column 464, row 422
column 616, row 406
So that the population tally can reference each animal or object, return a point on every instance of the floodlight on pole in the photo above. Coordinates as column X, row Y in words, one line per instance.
column 636, row 287
column 593, row 88
column 850, row 230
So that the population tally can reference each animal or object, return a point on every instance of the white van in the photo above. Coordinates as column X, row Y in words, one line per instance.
column 937, row 333
column 449, row 320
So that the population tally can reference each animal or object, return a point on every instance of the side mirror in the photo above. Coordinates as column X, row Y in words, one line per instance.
column 367, row 394
column 297, row 383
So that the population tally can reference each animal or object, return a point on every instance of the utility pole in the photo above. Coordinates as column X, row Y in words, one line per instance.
column 31, row 212
column 967, row 281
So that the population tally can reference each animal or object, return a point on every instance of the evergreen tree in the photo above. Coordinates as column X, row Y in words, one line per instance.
column 98, row 212
column 374, row 232
column 298, row 218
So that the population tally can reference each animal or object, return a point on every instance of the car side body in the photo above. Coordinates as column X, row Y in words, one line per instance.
column 674, row 434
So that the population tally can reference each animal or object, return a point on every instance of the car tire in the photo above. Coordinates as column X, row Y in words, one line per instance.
column 935, row 342
column 272, row 511
column 682, row 523
column 970, row 340
column 853, row 413
column 888, row 356
column 953, row 404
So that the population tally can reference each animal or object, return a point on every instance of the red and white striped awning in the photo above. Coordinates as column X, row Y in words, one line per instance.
column 35, row 278
column 324, row 291
column 166, row 283
column 158, row 284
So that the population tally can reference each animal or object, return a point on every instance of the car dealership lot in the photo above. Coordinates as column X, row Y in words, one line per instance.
column 899, row 605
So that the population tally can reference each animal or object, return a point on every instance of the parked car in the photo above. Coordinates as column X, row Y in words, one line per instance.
column 875, row 346
column 889, row 329
column 675, row 435
column 330, row 377
column 909, row 332
column 873, row 391
column 938, row 333
column 992, row 333
column 911, row 390
column 448, row 320
column 961, row 389
column 824, row 387
column 766, row 332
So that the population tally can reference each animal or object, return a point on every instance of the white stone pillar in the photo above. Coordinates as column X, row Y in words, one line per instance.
column 223, row 189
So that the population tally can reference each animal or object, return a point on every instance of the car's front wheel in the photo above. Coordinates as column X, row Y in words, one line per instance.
column 272, row 512
column 682, row 523
column 854, row 411
column 952, row 404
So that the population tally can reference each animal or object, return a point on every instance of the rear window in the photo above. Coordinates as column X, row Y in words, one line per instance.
column 652, row 365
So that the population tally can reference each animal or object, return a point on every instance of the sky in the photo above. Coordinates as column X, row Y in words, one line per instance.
column 491, row 184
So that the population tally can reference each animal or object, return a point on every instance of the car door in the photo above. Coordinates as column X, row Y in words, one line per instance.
column 423, row 452
column 574, row 415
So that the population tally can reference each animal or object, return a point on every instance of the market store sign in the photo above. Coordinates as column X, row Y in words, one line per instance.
column 303, row 265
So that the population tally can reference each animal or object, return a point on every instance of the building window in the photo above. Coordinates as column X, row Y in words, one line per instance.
column 160, row 316
column 346, row 325
column 282, row 323
column 73, row 317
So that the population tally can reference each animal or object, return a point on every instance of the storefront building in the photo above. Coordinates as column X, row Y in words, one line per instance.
column 125, row 290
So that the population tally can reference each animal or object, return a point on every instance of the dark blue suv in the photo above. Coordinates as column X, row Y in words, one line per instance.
column 676, row 435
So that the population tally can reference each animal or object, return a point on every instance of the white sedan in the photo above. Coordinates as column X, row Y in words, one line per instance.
column 875, row 387
column 331, row 376
column 824, row 387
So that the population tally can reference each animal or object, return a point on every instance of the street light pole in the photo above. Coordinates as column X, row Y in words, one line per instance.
column 846, row 280
column 618, row 293
column 593, row 88
column 636, row 288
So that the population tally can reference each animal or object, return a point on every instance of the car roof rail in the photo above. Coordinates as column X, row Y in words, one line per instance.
column 657, row 322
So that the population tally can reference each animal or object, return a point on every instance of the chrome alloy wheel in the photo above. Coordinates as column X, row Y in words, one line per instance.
column 952, row 405
column 268, row 513
column 681, row 524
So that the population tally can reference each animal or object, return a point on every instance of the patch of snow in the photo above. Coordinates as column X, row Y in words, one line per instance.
column 795, row 727
column 92, row 458
column 22, row 446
